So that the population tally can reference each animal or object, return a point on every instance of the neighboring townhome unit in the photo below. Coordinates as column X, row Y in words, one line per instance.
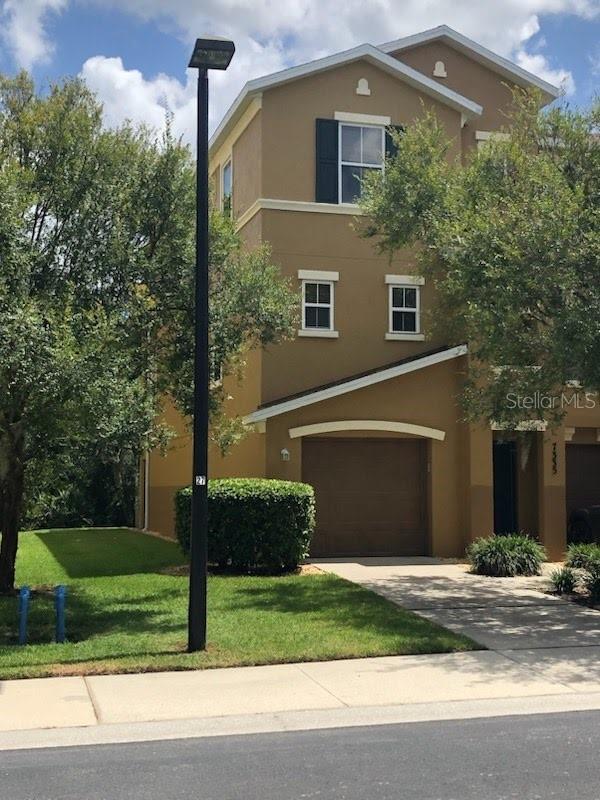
column 362, row 404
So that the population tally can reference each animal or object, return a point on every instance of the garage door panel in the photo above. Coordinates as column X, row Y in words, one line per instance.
column 370, row 495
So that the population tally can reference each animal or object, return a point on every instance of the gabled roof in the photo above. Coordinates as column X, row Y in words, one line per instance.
column 364, row 52
column 354, row 382
column 476, row 51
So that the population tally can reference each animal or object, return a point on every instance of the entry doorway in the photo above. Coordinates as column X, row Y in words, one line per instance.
column 505, row 486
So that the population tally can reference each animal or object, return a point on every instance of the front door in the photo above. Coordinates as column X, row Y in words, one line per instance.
column 505, row 487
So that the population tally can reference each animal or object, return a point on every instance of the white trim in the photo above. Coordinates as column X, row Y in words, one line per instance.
column 416, row 310
column 367, row 425
column 268, row 204
column 318, row 333
column 396, row 336
column 364, row 52
column 358, row 164
column 476, row 51
column 528, row 425
column 362, row 119
column 317, row 275
column 356, row 383
column 484, row 136
column 569, row 433
column 410, row 280
column 304, row 331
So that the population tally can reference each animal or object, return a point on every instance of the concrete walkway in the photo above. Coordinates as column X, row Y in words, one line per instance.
column 287, row 696
column 555, row 638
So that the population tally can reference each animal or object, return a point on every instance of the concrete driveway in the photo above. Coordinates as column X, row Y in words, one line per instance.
column 512, row 616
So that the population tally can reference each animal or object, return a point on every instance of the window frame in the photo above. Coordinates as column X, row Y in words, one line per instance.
column 342, row 163
column 330, row 305
column 416, row 310
column 227, row 163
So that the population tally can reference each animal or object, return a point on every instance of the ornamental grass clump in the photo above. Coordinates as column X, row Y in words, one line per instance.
column 506, row 556
column 563, row 580
column 585, row 560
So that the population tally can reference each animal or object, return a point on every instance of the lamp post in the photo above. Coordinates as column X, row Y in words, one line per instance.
column 213, row 53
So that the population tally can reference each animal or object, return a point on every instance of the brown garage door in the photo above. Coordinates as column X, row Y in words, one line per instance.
column 583, row 475
column 370, row 495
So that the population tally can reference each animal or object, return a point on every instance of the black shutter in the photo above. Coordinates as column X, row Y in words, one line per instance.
column 326, row 184
column 390, row 145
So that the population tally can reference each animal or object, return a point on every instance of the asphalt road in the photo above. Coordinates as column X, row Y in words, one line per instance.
column 536, row 757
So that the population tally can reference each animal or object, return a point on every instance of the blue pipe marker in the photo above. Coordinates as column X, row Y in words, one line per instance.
column 60, row 602
column 24, row 596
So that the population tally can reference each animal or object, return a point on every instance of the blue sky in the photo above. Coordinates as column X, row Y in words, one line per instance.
column 134, row 52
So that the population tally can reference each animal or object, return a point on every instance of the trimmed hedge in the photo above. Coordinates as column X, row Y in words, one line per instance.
column 253, row 523
column 506, row 556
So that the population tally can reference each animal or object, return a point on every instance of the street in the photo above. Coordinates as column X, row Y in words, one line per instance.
column 534, row 757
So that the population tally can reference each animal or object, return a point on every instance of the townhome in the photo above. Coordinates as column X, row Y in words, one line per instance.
column 363, row 403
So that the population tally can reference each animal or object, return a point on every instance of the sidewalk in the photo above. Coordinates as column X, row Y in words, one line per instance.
column 339, row 687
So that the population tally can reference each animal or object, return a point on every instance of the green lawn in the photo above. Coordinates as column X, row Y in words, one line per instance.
column 125, row 616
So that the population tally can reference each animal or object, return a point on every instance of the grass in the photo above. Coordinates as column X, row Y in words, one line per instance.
column 124, row 615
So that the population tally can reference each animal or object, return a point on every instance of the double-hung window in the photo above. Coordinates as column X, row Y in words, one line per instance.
column 404, row 307
column 317, row 305
column 318, row 289
column 362, row 150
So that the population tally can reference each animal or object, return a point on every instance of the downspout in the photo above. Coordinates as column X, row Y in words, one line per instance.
column 146, row 488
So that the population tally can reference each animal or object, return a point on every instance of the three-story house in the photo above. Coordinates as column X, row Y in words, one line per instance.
column 364, row 404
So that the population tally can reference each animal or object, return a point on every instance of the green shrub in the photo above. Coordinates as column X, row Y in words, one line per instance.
column 583, row 556
column 591, row 584
column 253, row 523
column 563, row 581
column 506, row 556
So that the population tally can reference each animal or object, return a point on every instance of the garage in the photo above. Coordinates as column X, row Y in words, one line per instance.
column 370, row 496
column 583, row 476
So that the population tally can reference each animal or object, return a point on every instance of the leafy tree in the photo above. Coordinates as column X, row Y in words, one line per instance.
column 511, row 241
column 96, row 273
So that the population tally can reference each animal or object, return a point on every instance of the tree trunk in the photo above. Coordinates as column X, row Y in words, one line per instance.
column 11, row 504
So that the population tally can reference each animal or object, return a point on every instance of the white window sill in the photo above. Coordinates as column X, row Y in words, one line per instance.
column 318, row 333
column 405, row 337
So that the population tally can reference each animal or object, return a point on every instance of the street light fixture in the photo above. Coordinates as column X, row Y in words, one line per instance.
column 213, row 53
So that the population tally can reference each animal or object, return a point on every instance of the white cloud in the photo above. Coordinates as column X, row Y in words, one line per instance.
column 126, row 94
column 538, row 64
column 22, row 28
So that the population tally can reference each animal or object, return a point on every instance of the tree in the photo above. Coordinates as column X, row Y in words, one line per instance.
column 511, row 241
column 96, row 270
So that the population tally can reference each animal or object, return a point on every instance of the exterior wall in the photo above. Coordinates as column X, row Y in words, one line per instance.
column 468, row 77
column 273, row 155
column 289, row 113
column 329, row 242
column 247, row 166
column 170, row 471
column 423, row 398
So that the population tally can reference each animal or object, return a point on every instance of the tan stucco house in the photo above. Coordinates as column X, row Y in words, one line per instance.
column 363, row 403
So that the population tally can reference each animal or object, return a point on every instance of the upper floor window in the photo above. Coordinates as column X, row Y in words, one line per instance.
column 361, row 149
column 404, row 323
column 227, row 188
column 404, row 309
column 317, row 305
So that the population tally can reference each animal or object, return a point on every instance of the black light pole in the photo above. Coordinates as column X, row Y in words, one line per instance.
column 208, row 54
